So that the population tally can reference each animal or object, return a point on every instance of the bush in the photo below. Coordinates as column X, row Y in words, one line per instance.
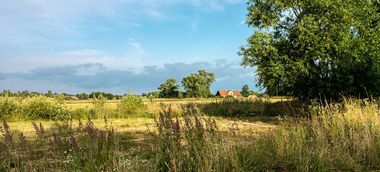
column 41, row 107
column 7, row 107
column 131, row 105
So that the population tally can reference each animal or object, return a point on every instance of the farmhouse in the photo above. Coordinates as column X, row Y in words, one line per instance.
column 225, row 93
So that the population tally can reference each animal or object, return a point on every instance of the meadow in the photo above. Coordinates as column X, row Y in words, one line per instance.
column 216, row 134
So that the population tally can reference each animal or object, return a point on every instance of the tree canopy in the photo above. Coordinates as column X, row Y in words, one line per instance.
column 169, row 89
column 315, row 48
column 198, row 84
column 245, row 90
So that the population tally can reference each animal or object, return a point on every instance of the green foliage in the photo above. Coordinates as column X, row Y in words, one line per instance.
column 245, row 91
column 230, row 107
column 169, row 89
column 108, row 96
column 198, row 84
column 8, row 107
column 313, row 49
column 131, row 105
column 152, row 95
column 82, row 96
column 41, row 107
column 60, row 98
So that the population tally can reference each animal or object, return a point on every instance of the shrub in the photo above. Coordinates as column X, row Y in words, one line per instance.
column 7, row 107
column 41, row 107
column 131, row 105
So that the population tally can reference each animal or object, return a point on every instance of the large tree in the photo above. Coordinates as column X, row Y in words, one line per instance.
column 198, row 84
column 169, row 89
column 315, row 48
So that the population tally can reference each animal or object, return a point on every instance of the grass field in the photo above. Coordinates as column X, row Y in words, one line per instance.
column 152, row 106
column 198, row 135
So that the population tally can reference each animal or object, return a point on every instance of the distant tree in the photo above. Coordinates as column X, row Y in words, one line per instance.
column 245, row 91
column 198, row 84
column 34, row 93
column 25, row 93
column 49, row 93
column 82, row 96
column 154, row 94
column 6, row 93
column 316, row 48
column 169, row 89
column 107, row 96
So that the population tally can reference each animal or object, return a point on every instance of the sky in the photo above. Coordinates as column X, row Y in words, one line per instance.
column 120, row 46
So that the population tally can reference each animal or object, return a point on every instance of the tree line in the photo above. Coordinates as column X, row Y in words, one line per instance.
column 80, row 96
column 196, row 85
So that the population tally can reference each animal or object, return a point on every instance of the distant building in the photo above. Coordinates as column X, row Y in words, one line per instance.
column 225, row 93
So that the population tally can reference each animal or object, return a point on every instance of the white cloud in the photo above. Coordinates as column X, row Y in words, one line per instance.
column 30, row 28
column 24, row 63
column 90, row 77
column 90, row 70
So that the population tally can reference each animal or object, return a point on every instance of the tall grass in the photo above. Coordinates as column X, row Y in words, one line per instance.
column 334, row 137
column 191, row 144
column 337, row 137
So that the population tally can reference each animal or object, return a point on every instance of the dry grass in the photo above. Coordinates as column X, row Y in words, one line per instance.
column 153, row 106
column 140, row 125
column 334, row 137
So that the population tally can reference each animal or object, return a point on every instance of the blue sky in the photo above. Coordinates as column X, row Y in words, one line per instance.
column 120, row 45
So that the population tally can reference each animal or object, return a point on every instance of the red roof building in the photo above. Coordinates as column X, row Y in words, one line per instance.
column 225, row 93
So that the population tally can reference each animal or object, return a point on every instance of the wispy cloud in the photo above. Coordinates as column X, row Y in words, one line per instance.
column 137, row 47
column 133, row 58
column 65, row 16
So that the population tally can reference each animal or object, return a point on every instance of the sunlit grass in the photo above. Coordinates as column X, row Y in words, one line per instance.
column 330, row 137
column 138, row 125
